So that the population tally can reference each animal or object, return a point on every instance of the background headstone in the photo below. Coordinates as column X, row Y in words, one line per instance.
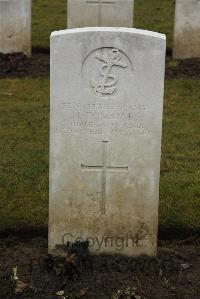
column 96, row 13
column 15, row 26
column 187, row 29
column 106, row 122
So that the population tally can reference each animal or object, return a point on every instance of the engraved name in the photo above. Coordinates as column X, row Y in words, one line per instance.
column 103, row 119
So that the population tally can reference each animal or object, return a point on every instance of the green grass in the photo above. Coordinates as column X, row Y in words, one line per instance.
column 47, row 16
column 24, row 120
column 180, row 167
column 24, row 129
column 156, row 15
column 50, row 15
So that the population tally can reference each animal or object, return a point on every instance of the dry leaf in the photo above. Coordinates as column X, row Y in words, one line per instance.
column 9, row 94
column 71, row 258
column 82, row 292
column 20, row 287
column 60, row 293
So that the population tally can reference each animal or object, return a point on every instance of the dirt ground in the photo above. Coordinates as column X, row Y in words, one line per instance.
column 20, row 66
column 26, row 271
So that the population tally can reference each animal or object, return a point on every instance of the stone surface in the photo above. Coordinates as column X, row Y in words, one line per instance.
column 96, row 13
column 187, row 29
column 105, row 144
column 15, row 26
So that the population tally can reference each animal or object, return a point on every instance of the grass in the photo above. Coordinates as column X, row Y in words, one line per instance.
column 156, row 15
column 180, row 167
column 24, row 152
column 50, row 15
column 47, row 16
column 24, row 127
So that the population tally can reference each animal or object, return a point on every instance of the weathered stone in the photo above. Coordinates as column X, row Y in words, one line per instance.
column 187, row 29
column 105, row 144
column 15, row 26
column 96, row 13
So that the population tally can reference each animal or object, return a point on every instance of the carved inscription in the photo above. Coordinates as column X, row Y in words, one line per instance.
column 104, row 119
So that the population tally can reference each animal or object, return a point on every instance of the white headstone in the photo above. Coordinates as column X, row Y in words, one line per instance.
column 187, row 29
column 105, row 138
column 93, row 13
column 15, row 26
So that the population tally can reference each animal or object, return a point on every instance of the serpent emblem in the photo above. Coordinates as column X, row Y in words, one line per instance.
column 107, row 84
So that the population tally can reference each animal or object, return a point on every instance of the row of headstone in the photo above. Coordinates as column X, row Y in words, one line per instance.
column 107, row 89
column 15, row 22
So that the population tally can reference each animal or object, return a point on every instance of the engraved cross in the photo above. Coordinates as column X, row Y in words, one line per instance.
column 100, row 4
column 104, row 168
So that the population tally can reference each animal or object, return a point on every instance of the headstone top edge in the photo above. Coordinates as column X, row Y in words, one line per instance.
column 109, row 29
